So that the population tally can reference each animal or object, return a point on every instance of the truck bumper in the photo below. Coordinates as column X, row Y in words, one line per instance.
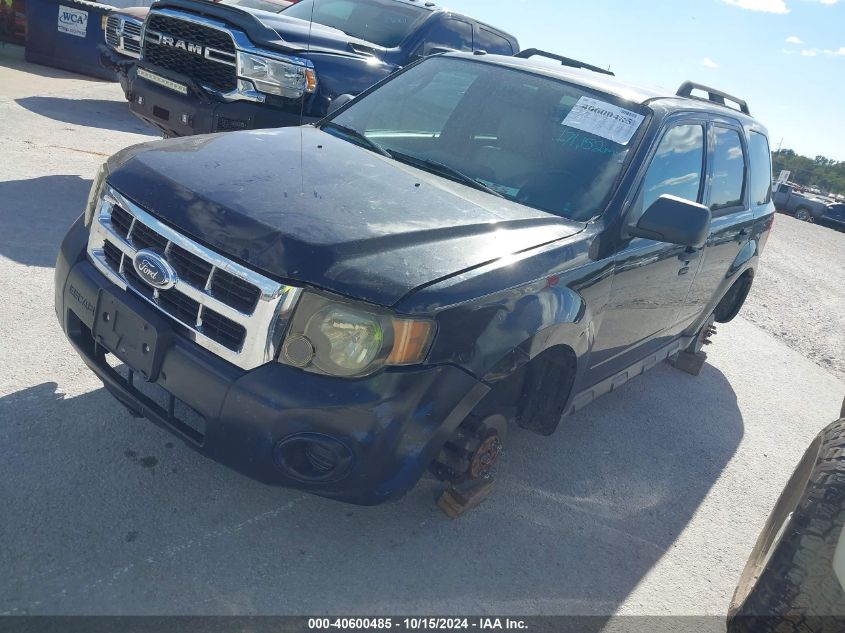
column 359, row 441
column 120, row 64
column 198, row 112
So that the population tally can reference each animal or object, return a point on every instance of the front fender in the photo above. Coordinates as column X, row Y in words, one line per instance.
column 495, row 339
column 341, row 74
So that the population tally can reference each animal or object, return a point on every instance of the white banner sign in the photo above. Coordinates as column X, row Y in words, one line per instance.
column 73, row 21
column 603, row 119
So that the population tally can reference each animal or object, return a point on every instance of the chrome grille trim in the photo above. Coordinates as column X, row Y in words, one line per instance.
column 264, row 326
column 245, row 90
column 123, row 34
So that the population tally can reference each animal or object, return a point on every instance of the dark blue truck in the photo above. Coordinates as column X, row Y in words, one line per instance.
column 208, row 67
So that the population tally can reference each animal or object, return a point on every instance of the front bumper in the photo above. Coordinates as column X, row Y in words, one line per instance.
column 120, row 64
column 199, row 112
column 392, row 425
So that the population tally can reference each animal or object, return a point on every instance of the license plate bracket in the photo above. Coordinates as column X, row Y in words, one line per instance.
column 138, row 341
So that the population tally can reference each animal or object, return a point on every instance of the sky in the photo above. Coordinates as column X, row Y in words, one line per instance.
column 786, row 58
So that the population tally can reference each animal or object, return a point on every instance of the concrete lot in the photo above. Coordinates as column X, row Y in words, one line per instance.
column 647, row 502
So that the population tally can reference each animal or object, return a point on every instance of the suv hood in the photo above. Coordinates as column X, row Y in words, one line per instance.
column 304, row 206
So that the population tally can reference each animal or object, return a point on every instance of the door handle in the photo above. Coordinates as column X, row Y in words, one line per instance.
column 690, row 254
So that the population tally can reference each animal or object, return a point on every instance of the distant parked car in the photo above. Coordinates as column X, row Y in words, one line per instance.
column 802, row 207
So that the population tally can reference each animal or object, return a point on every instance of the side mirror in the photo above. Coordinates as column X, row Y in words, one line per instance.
column 674, row 220
column 340, row 101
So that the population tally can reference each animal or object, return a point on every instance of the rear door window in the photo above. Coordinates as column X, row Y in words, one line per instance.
column 455, row 35
column 678, row 166
column 728, row 170
column 493, row 43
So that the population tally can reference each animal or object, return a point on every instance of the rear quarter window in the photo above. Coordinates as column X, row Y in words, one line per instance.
column 761, row 169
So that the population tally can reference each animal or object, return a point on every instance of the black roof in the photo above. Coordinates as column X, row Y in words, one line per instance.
column 633, row 93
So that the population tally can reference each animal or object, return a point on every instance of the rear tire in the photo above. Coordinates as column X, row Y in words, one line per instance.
column 803, row 214
column 789, row 583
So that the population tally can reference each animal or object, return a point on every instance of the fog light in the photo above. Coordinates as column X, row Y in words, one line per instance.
column 313, row 458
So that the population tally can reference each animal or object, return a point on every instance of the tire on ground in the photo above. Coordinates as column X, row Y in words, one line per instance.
column 789, row 583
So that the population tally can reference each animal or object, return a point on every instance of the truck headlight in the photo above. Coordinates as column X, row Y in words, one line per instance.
column 276, row 77
column 95, row 194
column 341, row 339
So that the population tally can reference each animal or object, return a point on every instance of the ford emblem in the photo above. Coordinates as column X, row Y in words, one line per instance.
column 154, row 269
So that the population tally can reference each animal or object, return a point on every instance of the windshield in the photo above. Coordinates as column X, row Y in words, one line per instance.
column 538, row 141
column 382, row 22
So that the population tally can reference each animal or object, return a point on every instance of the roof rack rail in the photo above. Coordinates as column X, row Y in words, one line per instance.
column 565, row 61
column 713, row 95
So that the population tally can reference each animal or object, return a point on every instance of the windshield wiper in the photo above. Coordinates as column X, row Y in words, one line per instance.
column 357, row 136
column 441, row 169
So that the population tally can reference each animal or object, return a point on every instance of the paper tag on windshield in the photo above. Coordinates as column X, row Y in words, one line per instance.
column 603, row 119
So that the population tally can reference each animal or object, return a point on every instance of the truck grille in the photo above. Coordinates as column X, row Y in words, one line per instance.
column 229, row 309
column 203, row 53
column 123, row 34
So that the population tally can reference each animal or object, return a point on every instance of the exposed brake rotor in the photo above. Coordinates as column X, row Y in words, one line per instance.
column 473, row 451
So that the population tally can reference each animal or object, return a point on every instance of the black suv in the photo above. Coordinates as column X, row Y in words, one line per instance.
column 476, row 239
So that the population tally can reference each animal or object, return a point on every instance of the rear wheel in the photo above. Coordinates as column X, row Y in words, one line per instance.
column 803, row 214
column 789, row 583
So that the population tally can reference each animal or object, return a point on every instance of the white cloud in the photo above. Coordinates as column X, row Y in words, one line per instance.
column 838, row 53
column 794, row 39
column 709, row 63
column 829, row 2
column 764, row 6
column 808, row 53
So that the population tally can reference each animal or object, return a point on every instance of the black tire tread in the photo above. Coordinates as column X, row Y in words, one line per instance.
column 798, row 590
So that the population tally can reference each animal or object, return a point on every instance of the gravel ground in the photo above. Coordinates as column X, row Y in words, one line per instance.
column 799, row 294
column 646, row 502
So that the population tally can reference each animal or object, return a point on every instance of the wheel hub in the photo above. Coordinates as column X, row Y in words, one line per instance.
column 484, row 460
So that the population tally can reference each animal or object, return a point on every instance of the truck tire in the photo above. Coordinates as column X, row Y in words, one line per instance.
column 789, row 583
column 803, row 214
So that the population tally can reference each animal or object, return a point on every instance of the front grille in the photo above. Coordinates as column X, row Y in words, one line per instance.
column 213, row 67
column 190, row 267
column 123, row 34
column 223, row 306
column 132, row 37
column 144, row 237
column 112, row 27
column 121, row 221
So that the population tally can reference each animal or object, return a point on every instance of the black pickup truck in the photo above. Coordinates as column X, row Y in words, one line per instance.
column 209, row 67
column 478, row 239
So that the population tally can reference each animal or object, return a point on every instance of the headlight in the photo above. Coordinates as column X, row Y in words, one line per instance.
column 95, row 194
column 339, row 339
column 276, row 77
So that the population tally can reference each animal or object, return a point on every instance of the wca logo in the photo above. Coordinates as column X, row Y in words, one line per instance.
column 72, row 21
column 73, row 18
